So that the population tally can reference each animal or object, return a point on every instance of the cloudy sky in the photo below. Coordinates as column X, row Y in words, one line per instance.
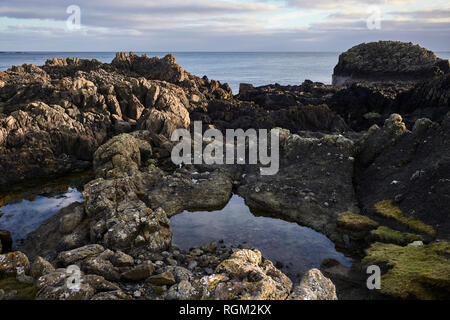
column 220, row 25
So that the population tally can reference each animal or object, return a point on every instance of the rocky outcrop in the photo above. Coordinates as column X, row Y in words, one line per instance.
column 410, row 168
column 388, row 61
column 53, row 119
column 313, row 186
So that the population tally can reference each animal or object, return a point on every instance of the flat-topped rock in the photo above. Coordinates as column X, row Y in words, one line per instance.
column 388, row 61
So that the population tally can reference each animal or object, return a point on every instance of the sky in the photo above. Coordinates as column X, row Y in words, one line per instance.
column 219, row 25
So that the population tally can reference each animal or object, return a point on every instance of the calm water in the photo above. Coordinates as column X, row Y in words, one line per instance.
column 23, row 216
column 232, row 68
column 298, row 248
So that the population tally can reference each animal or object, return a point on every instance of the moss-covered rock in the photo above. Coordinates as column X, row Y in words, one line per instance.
column 413, row 272
column 16, row 290
column 388, row 209
column 356, row 222
column 387, row 235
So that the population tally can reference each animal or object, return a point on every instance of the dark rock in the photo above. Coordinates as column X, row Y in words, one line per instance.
column 387, row 61
column 5, row 241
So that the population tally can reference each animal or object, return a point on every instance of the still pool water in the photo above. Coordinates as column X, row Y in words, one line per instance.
column 298, row 248
column 24, row 216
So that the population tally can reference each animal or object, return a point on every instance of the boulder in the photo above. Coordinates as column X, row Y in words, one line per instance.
column 140, row 272
column 245, row 276
column 41, row 267
column 162, row 279
column 14, row 263
column 314, row 286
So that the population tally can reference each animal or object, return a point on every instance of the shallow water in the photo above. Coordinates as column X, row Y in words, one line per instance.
column 298, row 248
column 26, row 215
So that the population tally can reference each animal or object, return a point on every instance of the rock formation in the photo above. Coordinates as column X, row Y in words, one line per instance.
column 367, row 165
column 388, row 61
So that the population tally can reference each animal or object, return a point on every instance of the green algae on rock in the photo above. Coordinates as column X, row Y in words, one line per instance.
column 414, row 272
column 387, row 235
column 356, row 222
column 388, row 209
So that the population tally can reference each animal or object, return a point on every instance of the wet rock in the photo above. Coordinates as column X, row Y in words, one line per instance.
column 210, row 247
column 314, row 286
column 70, row 221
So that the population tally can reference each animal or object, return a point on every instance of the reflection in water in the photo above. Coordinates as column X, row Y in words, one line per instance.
column 24, row 216
column 298, row 248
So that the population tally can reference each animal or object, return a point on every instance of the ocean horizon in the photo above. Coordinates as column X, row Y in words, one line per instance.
column 257, row 68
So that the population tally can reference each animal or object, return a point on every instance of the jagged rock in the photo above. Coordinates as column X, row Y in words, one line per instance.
column 314, row 286
column 118, row 217
column 388, row 61
column 246, row 276
column 411, row 168
column 40, row 140
column 169, row 110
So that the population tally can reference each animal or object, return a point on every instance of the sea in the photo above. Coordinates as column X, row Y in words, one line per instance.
column 257, row 68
